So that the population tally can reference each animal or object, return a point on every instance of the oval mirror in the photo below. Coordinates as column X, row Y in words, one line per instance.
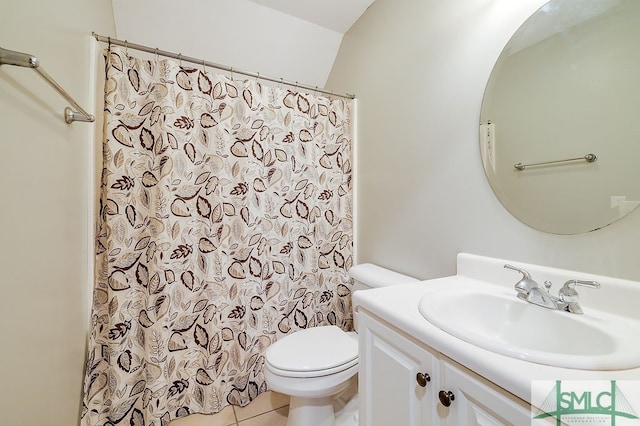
column 560, row 118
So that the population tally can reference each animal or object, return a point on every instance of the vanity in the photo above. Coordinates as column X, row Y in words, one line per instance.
column 465, row 349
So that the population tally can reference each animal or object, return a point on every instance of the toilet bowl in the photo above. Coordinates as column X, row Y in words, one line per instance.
column 315, row 365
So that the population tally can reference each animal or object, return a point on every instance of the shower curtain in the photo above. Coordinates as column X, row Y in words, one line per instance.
column 225, row 223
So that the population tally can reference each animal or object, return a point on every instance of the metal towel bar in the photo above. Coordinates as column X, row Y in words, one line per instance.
column 590, row 158
column 10, row 57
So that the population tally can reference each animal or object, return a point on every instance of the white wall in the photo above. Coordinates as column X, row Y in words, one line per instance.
column 44, row 198
column 419, row 68
column 240, row 34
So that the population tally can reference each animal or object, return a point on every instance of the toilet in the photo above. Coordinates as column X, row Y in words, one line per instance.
column 316, row 364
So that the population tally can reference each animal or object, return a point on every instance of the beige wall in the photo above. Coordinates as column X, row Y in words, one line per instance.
column 44, row 170
column 419, row 68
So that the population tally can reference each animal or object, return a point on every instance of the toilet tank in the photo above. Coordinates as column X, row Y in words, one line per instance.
column 367, row 276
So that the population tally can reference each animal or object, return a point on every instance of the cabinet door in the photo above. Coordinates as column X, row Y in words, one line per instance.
column 391, row 393
column 478, row 401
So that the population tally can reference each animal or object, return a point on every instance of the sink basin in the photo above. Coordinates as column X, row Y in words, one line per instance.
column 493, row 318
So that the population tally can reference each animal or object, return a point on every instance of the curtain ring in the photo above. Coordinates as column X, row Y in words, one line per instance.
column 156, row 54
column 231, row 73
column 204, row 67
column 257, row 77
column 126, row 48
column 109, row 46
column 180, row 59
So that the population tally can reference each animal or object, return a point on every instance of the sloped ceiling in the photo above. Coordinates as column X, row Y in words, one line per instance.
column 336, row 15
column 296, row 40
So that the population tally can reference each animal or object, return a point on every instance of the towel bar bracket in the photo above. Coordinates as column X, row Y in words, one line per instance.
column 70, row 116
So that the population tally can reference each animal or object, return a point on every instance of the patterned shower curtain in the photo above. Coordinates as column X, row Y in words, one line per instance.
column 225, row 223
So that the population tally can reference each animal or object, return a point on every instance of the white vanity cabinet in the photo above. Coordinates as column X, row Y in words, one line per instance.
column 401, row 381
column 477, row 401
column 389, row 392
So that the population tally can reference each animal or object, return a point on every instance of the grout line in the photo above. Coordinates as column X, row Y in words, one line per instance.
column 259, row 414
column 235, row 416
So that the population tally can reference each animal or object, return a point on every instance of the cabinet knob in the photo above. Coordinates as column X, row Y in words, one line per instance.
column 423, row 379
column 446, row 397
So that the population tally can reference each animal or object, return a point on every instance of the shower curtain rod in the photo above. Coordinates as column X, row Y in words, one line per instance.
column 181, row 57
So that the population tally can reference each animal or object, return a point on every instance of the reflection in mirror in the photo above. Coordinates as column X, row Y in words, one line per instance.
column 567, row 87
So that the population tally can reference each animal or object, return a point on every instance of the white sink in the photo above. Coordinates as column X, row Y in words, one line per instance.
column 493, row 318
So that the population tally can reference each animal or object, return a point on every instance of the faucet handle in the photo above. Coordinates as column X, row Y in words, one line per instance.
column 569, row 295
column 525, row 274
column 592, row 284
column 526, row 284
column 568, row 291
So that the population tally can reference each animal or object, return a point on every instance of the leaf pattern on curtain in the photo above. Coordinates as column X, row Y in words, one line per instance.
column 225, row 222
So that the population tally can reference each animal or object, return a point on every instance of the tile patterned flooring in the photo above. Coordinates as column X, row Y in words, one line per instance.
column 268, row 409
column 271, row 409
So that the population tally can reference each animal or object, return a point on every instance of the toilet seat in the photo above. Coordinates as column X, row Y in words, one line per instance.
column 313, row 352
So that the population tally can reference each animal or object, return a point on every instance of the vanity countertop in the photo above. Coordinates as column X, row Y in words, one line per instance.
column 398, row 306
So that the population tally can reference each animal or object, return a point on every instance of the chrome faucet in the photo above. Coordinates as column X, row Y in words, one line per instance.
column 567, row 300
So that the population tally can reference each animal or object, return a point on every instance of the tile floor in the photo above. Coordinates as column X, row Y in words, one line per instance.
column 271, row 409
column 268, row 409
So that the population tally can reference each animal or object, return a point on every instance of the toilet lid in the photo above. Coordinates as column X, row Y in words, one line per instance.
column 313, row 349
